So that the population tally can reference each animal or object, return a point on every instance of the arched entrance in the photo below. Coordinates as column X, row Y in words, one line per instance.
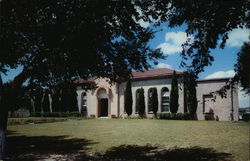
column 103, row 107
column 103, row 103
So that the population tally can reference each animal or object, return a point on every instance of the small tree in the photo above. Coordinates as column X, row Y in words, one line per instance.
column 45, row 102
column 128, row 100
column 242, row 67
column 72, row 98
column 56, row 106
column 140, row 102
column 190, row 85
column 174, row 94
column 38, row 100
column 153, row 101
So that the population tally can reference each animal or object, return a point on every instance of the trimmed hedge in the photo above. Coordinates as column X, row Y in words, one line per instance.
column 246, row 117
column 30, row 120
column 56, row 114
column 174, row 116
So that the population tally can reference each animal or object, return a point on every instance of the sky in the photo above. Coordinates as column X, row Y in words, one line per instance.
column 169, row 40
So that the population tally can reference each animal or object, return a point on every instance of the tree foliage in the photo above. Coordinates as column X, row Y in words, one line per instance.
column 56, row 100
column 72, row 39
column 153, row 100
column 190, row 85
column 128, row 100
column 208, row 22
column 243, row 67
column 140, row 102
column 45, row 101
column 174, row 94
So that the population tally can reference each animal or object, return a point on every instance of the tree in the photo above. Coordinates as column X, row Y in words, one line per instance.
column 46, row 102
column 153, row 101
column 174, row 94
column 242, row 67
column 72, row 96
column 190, row 85
column 140, row 103
column 56, row 100
column 128, row 100
column 65, row 40
column 57, row 40
column 208, row 22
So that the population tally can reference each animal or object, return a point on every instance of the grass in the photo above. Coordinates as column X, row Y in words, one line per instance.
column 108, row 135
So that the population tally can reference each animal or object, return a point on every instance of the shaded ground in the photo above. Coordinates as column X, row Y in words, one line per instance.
column 110, row 139
column 23, row 148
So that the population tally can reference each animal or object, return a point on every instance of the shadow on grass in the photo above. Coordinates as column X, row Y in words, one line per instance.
column 150, row 153
column 39, row 147
column 29, row 148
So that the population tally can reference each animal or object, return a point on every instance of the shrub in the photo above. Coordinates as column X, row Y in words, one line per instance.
column 45, row 101
column 132, row 117
column 128, row 100
column 35, row 114
column 190, row 85
column 140, row 102
column 246, row 117
column 174, row 95
column 18, row 121
column 21, row 112
column 173, row 116
column 114, row 117
column 153, row 101
column 56, row 114
column 75, row 114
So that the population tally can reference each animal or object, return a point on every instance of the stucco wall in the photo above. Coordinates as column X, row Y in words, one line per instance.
column 93, row 98
column 146, row 85
column 222, row 107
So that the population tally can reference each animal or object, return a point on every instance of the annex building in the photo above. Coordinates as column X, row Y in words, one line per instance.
column 108, row 100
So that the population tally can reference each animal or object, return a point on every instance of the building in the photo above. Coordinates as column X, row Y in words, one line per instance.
column 108, row 100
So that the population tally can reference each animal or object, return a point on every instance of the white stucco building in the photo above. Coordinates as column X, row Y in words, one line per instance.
column 108, row 100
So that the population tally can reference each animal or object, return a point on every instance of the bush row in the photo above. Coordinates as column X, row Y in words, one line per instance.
column 246, row 117
column 30, row 120
column 56, row 114
column 174, row 116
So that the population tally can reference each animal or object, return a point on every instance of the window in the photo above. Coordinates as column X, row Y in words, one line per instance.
column 84, row 103
column 150, row 94
column 208, row 104
column 136, row 99
column 165, row 99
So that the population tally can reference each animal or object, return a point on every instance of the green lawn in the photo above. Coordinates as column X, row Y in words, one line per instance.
column 109, row 135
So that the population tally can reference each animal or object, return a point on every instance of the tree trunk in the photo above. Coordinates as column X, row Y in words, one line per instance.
column 3, row 127
column 3, row 122
column 2, row 143
column 5, row 92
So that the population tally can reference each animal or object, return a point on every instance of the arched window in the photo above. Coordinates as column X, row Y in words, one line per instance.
column 136, row 99
column 165, row 99
column 150, row 94
column 84, row 103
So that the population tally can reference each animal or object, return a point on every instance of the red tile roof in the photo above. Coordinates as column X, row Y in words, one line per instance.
column 154, row 73
column 148, row 74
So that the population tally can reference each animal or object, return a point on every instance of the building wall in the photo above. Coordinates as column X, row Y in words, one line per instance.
column 146, row 85
column 222, row 107
column 93, row 98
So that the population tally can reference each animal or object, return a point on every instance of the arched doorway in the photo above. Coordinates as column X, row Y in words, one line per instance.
column 103, row 103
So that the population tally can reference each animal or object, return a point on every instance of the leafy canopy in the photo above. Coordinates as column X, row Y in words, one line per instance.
column 243, row 68
column 64, row 40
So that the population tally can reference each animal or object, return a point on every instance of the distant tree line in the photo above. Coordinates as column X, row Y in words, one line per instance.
column 59, row 98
